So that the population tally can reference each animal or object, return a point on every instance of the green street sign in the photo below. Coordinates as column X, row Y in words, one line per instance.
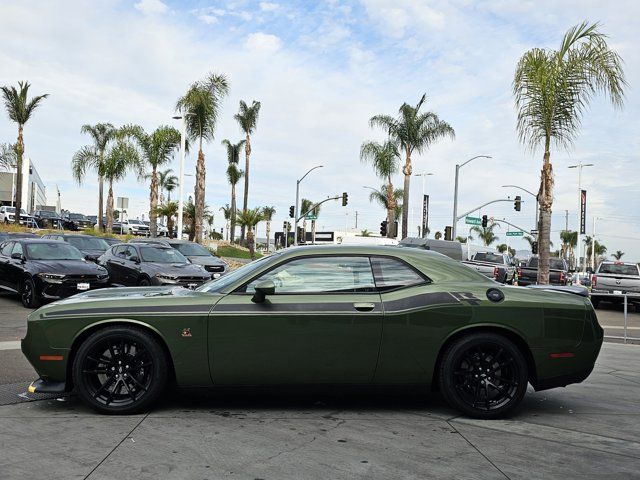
column 311, row 216
column 515, row 234
column 472, row 220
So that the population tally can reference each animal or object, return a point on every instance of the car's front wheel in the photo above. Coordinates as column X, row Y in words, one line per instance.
column 29, row 295
column 120, row 370
column 484, row 375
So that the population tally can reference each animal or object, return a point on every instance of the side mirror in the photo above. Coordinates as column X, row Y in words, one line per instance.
column 262, row 290
column 17, row 256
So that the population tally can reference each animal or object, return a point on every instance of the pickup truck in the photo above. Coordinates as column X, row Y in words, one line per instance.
column 498, row 266
column 612, row 280
column 558, row 272
column 131, row 227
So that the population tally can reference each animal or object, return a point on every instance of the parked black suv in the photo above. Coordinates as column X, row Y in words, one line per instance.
column 48, row 219
column 141, row 264
column 76, row 221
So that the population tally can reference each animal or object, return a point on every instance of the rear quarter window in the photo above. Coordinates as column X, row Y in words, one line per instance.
column 391, row 273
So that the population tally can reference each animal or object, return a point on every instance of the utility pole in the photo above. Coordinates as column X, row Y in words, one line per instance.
column 356, row 219
column 455, row 194
column 580, row 166
column 566, row 220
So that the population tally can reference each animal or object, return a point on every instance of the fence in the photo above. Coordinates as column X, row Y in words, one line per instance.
column 625, row 336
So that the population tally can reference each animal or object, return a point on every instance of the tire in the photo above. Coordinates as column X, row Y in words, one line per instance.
column 134, row 362
column 144, row 282
column 483, row 375
column 595, row 302
column 28, row 294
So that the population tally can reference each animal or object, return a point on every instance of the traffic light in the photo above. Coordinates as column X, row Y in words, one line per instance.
column 345, row 199
column 534, row 248
column 448, row 233
column 517, row 204
column 292, row 211
column 383, row 228
column 485, row 220
column 284, row 226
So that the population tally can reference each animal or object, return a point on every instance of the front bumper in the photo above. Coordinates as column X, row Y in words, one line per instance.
column 57, row 291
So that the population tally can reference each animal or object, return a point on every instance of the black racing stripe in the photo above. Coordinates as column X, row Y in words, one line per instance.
column 269, row 307
column 134, row 310
column 422, row 300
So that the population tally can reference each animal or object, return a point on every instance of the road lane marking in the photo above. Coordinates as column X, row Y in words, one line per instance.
column 13, row 345
column 621, row 327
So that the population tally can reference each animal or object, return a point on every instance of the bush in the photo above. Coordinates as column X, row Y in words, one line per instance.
column 234, row 252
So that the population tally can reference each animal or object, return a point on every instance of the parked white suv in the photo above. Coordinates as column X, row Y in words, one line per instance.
column 7, row 215
column 132, row 227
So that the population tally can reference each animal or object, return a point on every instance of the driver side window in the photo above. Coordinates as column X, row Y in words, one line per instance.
column 17, row 248
column 321, row 274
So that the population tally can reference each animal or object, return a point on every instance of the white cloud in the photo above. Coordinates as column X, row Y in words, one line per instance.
column 150, row 7
column 263, row 42
column 208, row 19
column 269, row 6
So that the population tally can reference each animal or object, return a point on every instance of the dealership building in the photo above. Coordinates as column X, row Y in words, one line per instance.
column 34, row 195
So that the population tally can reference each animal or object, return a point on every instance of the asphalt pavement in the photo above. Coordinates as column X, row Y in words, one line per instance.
column 590, row 430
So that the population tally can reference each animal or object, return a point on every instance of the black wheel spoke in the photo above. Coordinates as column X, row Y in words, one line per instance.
column 505, row 380
column 104, row 386
column 129, row 391
column 138, row 383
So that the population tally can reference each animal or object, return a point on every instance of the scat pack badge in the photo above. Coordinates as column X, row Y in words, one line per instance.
column 186, row 332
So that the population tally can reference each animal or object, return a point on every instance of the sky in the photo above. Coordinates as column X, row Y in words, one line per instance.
column 320, row 71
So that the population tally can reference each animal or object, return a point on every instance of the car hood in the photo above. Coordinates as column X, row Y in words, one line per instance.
column 206, row 260
column 126, row 301
column 76, row 267
column 181, row 269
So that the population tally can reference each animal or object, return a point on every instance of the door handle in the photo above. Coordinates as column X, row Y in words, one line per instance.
column 364, row 307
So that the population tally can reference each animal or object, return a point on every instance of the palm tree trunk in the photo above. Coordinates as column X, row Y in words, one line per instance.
column 313, row 232
column 405, row 196
column 199, row 196
column 19, row 148
column 233, row 213
column 545, row 197
column 250, row 244
column 170, row 226
column 247, row 154
column 268, row 233
column 100, row 201
column 153, row 204
column 110, row 208
column 391, row 209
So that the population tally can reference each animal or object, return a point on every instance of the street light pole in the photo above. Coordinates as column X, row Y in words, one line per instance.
column 295, row 217
column 580, row 166
column 455, row 193
column 183, row 141
column 424, row 176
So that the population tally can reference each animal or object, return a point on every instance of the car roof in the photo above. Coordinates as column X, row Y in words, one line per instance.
column 37, row 240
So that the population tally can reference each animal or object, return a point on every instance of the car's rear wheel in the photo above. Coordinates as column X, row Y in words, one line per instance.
column 120, row 370
column 144, row 282
column 28, row 294
column 484, row 375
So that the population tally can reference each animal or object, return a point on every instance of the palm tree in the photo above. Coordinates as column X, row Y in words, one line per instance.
column 385, row 160
column 249, row 219
column 234, row 175
column 462, row 239
column 552, row 89
column 8, row 157
column 167, row 182
column 382, row 199
column 226, row 211
column 438, row 235
column 486, row 233
column 305, row 207
column 503, row 247
column 599, row 249
column 267, row 215
column 200, row 106
column 93, row 157
column 365, row 233
column 412, row 131
column 168, row 210
column 155, row 149
column 210, row 218
column 20, row 108
column 119, row 159
column 569, row 241
column 247, row 118
column 618, row 254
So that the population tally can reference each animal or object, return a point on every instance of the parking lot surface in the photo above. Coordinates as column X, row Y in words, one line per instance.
column 590, row 430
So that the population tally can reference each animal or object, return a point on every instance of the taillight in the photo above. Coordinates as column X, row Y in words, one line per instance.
column 496, row 272
column 519, row 270
column 594, row 280
column 563, row 278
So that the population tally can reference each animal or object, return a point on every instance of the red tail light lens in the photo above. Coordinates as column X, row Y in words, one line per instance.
column 563, row 278
column 594, row 281
column 519, row 270
column 496, row 272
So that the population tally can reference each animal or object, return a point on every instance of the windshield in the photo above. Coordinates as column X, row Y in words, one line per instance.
column 618, row 269
column 88, row 243
column 161, row 255
column 77, row 216
column 232, row 277
column 137, row 222
column 191, row 249
column 489, row 257
column 554, row 263
column 44, row 213
column 53, row 251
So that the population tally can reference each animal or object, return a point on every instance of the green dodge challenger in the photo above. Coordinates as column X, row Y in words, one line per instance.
column 319, row 316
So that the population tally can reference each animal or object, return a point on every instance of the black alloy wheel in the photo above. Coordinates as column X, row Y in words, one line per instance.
column 120, row 370
column 28, row 294
column 483, row 375
column 144, row 282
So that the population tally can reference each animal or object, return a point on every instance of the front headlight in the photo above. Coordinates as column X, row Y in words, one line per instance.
column 52, row 277
column 166, row 277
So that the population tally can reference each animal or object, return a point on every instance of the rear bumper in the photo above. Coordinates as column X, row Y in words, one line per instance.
column 563, row 380
column 43, row 385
